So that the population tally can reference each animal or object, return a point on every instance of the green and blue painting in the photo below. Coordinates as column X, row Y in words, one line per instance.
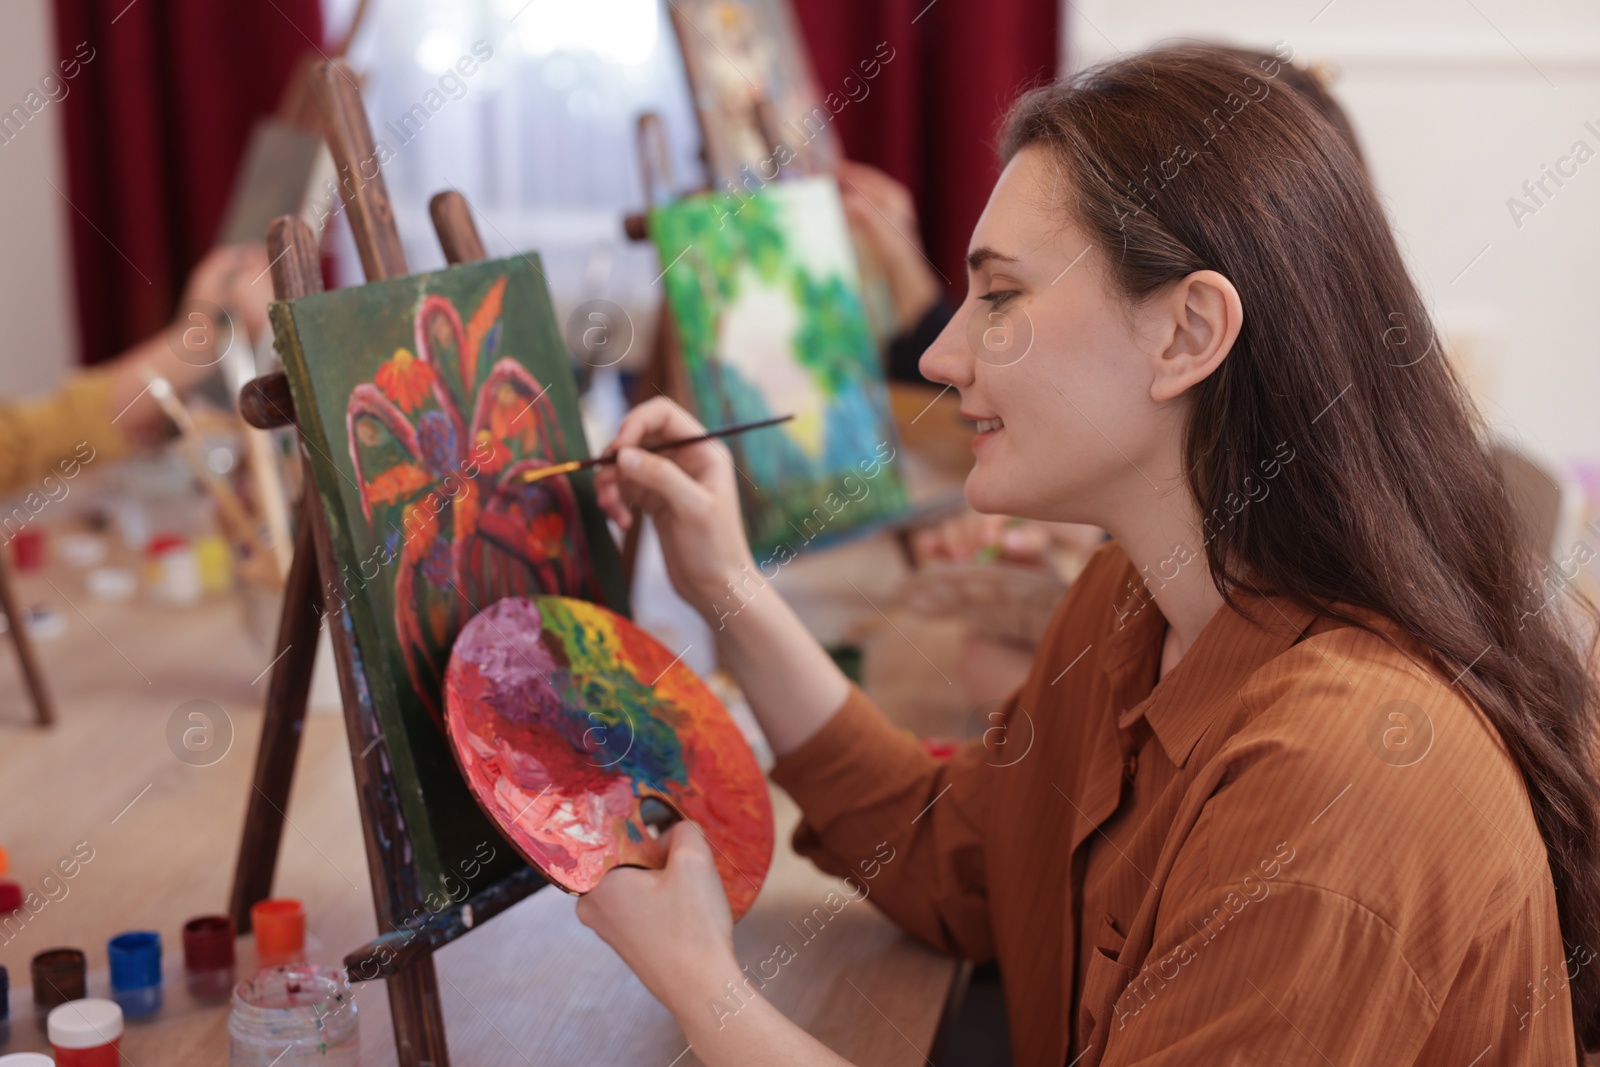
column 766, row 301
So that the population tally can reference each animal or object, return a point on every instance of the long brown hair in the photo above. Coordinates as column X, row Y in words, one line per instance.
column 1189, row 159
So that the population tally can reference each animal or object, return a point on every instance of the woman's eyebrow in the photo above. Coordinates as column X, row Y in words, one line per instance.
column 983, row 254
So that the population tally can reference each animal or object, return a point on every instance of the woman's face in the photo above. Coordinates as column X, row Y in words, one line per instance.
column 1054, row 367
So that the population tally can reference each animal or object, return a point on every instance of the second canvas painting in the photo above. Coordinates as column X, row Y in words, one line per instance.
column 766, row 300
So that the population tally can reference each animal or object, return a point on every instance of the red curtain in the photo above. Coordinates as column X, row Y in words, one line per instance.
column 156, row 123
column 931, row 116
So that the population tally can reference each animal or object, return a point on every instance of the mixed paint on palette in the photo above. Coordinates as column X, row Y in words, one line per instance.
column 421, row 400
column 566, row 718
column 766, row 302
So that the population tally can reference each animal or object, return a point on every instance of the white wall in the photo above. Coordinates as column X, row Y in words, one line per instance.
column 36, row 303
column 1456, row 103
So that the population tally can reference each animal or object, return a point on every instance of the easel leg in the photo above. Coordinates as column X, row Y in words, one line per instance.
column 418, row 1016
column 281, row 727
column 44, row 712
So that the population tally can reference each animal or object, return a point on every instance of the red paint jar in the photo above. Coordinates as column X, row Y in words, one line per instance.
column 208, row 943
column 28, row 550
column 86, row 1033
column 208, row 957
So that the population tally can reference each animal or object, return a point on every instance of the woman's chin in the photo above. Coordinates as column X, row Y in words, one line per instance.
column 986, row 494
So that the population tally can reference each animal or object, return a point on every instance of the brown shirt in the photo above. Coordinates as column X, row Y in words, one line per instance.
column 1303, row 846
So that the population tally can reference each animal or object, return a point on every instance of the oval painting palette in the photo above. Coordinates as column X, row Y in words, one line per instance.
column 567, row 718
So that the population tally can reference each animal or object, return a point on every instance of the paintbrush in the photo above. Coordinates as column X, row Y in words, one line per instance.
column 540, row 473
column 234, row 516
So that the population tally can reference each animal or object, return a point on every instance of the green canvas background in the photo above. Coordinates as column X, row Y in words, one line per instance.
column 333, row 341
column 712, row 243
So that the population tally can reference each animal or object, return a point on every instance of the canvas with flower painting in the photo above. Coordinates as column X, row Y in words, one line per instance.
column 422, row 401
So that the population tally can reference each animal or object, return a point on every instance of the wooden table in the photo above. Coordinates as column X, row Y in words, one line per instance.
column 535, row 987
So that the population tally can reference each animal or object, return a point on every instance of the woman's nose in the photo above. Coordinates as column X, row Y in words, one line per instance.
column 948, row 360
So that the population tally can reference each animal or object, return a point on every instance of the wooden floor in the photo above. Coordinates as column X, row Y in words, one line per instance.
column 533, row 986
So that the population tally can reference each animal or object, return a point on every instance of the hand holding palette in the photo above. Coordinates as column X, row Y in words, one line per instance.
column 566, row 718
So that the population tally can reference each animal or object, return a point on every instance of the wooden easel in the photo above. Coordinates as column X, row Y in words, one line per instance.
column 44, row 710
column 663, row 372
column 403, row 956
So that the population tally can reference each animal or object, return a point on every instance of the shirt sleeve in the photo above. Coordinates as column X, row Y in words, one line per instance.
column 56, row 434
column 901, row 825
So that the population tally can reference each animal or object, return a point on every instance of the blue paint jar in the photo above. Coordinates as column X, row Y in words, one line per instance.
column 136, row 971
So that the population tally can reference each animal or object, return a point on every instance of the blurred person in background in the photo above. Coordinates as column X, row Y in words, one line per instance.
column 104, row 411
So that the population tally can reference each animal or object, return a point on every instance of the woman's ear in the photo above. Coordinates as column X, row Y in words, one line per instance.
column 1204, row 315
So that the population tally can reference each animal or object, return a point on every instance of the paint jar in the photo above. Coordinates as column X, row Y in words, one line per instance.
column 208, row 956
column 215, row 560
column 10, row 897
column 86, row 1033
column 111, row 584
column 132, row 519
column 57, row 977
column 28, row 550
column 81, row 550
column 5, row 993
column 174, row 571
column 292, row 1016
column 280, row 926
column 136, row 971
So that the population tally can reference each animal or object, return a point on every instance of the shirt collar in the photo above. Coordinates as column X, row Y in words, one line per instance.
column 1237, row 641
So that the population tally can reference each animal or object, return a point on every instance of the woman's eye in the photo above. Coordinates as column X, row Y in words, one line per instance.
column 999, row 297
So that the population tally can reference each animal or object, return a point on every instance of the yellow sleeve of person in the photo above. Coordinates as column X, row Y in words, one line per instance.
column 102, row 413
column 58, row 433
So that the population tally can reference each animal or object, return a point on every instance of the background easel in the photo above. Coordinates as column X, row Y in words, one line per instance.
column 44, row 711
column 403, row 955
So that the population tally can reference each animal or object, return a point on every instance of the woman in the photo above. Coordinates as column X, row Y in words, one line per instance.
column 1303, row 771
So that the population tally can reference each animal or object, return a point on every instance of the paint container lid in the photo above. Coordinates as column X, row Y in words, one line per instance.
column 26, row 1059
column 57, row 976
column 208, row 943
column 165, row 542
column 10, row 897
column 111, row 583
column 5, row 993
column 45, row 623
column 88, row 1023
column 280, row 926
column 81, row 550
column 135, row 959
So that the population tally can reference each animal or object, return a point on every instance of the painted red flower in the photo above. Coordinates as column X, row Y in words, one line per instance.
column 438, row 442
column 406, row 380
